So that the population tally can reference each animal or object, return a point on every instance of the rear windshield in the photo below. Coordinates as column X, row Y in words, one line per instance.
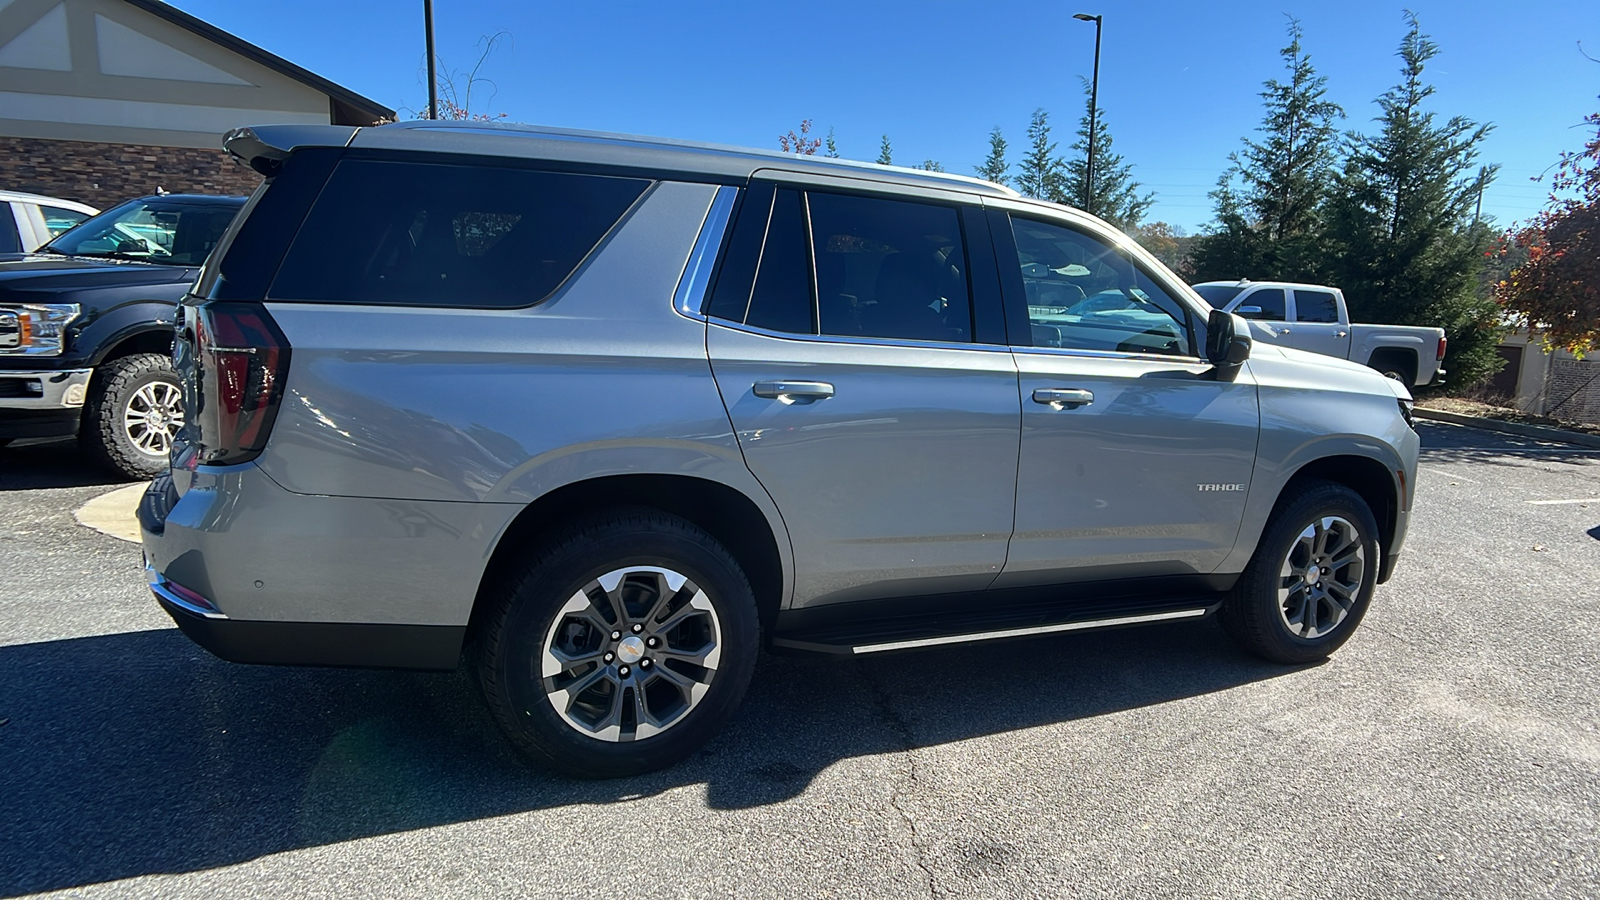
column 418, row 234
column 1218, row 295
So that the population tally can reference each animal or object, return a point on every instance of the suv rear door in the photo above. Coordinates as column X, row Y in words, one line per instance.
column 1134, row 461
column 883, row 418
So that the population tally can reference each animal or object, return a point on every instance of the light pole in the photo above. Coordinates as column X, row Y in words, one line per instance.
column 1094, row 104
column 433, row 81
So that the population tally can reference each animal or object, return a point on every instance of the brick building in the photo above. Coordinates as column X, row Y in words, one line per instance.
column 103, row 100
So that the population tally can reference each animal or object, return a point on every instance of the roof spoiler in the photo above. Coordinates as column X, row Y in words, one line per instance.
column 265, row 147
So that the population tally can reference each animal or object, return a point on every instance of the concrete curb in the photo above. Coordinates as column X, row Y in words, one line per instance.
column 1541, row 432
column 114, row 513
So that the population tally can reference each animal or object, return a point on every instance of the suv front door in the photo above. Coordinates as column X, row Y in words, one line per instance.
column 883, row 430
column 1134, row 461
column 1317, row 328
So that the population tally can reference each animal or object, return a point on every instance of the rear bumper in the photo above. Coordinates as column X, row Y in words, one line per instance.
column 429, row 647
column 257, row 574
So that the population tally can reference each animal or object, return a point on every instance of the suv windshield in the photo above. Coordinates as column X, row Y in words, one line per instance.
column 1218, row 295
column 161, row 230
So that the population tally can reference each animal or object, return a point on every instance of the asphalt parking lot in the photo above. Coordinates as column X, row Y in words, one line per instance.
column 1451, row 749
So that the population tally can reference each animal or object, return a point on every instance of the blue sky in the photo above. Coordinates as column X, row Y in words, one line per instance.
column 1179, row 81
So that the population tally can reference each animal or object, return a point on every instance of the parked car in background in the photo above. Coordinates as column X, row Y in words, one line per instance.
column 1314, row 317
column 29, row 221
column 612, row 413
column 86, row 328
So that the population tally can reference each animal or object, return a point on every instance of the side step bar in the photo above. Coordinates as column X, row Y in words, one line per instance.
column 974, row 636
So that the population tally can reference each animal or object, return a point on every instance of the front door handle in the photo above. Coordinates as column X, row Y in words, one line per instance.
column 1283, row 331
column 1340, row 333
column 1063, row 398
column 793, row 391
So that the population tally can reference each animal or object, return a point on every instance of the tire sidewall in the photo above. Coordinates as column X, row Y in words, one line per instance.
column 1284, row 530
column 533, row 607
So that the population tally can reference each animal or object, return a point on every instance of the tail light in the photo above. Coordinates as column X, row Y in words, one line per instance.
column 1442, row 342
column 241, row 362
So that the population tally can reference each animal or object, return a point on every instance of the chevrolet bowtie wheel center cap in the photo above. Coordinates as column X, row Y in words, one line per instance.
column 631, row 650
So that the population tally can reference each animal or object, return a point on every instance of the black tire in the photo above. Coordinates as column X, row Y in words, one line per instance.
column 1402, row 367
column 1259, row 618
column 116, row 386
column 527, row 605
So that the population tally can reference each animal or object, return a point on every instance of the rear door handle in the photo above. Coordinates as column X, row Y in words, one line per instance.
column 1063, row 398
column 1283, row 331
column 793, row 391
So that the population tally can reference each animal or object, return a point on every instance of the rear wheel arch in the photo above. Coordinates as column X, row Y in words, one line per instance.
column 722, row 511
column 1403, row 362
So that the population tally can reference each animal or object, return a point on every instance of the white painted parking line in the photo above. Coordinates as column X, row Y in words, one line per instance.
column 1447, row 473
column 1563, row 502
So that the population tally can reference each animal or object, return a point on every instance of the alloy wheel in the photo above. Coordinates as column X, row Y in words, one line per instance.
column 631, row 653
column 1321, row 577
column 153, row 416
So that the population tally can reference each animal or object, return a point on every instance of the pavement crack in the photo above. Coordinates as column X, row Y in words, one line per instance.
column 897, row 723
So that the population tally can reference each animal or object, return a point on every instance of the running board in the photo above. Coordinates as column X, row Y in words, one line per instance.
column 859, row 649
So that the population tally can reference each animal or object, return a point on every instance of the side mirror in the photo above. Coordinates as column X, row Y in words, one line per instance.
column 1227, row 344
column 1248, row 312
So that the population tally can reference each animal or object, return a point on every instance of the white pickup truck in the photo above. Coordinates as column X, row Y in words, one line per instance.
column 1314, row 317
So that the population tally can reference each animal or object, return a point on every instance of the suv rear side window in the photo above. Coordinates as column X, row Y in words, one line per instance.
column 418, row 234
column 890, row 269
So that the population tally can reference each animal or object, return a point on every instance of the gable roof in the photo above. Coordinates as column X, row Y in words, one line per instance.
column 348, row 107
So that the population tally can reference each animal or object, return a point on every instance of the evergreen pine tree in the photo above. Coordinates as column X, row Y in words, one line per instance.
column 832, row 148
column 1269, row 201
column 1404, row 244
column 1114, row 196
column 884, row 157
column 1040, row 173
column 931, row 165
column 995, row 166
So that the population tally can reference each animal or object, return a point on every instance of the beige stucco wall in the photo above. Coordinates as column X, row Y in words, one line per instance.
column 185, row 95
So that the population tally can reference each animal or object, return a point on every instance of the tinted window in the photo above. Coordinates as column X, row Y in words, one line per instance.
column 10, row 240
column 890, row 269
column 58, row 220
column 160, row 230
column 1084, row 294
column 435, row 235
column 1315, row 306
column 781, row 300
column 1272, row 303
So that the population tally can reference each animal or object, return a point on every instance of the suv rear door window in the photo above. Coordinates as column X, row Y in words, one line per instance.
column 890, row 269
column 782, row 297
column 415, row 234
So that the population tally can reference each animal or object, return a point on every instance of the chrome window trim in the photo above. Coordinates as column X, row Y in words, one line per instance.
column 690, row 297
column 865, row 341
column 1111, row 354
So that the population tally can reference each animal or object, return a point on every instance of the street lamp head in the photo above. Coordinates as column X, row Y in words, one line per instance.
column 1085, row 17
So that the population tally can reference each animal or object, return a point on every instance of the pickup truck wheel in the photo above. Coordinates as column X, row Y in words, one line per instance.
column 134, row 410
column 621, row 647
column 1311, row 579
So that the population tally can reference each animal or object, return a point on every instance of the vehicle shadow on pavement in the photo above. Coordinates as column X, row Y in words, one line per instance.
column 51, row 464
column 136, row 754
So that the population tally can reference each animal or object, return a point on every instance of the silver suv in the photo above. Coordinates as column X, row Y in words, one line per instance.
column 610, row 414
